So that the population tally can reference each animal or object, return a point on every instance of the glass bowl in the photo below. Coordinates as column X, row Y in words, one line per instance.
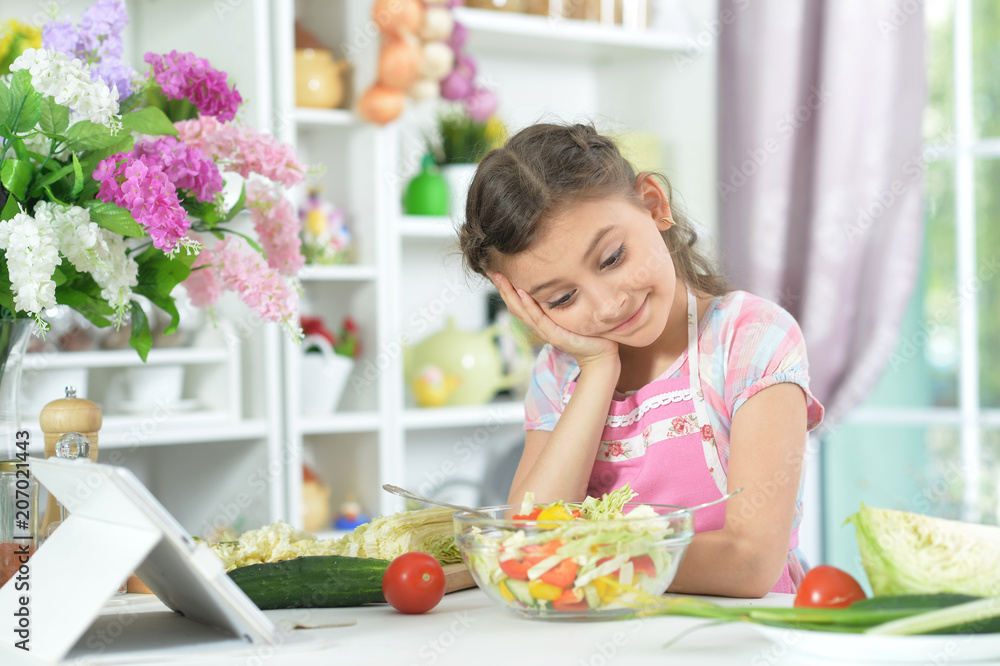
column 572, row 569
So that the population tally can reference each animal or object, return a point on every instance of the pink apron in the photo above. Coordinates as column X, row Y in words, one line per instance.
column 659, row 440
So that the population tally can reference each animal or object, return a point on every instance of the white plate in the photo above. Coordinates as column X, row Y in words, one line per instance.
column 933, row 649
column 186, row 405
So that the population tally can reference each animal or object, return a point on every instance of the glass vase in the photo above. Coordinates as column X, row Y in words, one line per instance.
column 14, row 335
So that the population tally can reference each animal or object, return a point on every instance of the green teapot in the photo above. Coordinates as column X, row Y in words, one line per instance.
column 455, row 367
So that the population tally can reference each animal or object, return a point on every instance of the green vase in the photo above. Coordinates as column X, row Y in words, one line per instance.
column 427, row 193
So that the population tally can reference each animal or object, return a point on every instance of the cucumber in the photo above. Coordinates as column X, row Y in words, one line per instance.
column 519, row 588
column 319, row 581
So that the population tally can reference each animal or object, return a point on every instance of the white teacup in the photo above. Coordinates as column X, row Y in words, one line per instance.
column 152, row 385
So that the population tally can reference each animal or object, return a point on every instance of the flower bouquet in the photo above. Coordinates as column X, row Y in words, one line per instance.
column 104, row 197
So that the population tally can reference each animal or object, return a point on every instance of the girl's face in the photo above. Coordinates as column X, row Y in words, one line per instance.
column 601, row 269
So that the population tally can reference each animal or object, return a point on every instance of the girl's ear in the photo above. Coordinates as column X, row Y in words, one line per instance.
column 654, row 198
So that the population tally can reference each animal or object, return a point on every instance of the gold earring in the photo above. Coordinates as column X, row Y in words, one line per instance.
column 669, row 221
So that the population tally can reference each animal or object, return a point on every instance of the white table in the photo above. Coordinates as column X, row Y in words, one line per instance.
column 466, row 629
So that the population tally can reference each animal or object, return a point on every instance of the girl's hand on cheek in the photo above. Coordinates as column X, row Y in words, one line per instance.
column 586, row 350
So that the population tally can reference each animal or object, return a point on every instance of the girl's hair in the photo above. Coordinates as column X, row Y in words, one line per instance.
column 545, row 169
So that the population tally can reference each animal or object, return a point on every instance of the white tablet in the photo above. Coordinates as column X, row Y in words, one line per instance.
column 116, row 527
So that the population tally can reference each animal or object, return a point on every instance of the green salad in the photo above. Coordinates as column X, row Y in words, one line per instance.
column 572, row 558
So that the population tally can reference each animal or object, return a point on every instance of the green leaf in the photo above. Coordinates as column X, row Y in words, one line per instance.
column 238, row 206
column 6, row 102
column 206, row 212
column 27, row 104
column 114, row 218
column 6, row 289
column 77, row 178
column 92, row 157
column 158, row 275
column 141, row 339
column 10, row 209
column 149, row 120
column 50, row 178
column 86, row 135
column 84, row 295
column 15, row 176
column 55, row 117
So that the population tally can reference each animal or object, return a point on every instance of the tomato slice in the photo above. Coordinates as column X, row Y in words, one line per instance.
column 570, row 600
column 516, row 569
column 643, row 564
column 413, row 583
column 828, row 587
column 562, row 574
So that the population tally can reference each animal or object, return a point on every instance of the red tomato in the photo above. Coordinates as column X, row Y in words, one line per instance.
column 413, row 583
column 828, row 587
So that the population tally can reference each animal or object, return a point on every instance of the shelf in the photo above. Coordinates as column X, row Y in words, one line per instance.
column 338, row 272
column 119, row 432
column 426, row 226
column 494, row 413
column 324, row 117
column 340, row 422
column 566, row 40
column 121, row 358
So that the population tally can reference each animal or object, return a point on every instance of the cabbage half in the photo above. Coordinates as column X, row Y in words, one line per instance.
column 910, row 553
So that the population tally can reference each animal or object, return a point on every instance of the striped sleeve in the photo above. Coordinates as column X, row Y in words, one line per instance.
column 543, row 403
column 767, row 348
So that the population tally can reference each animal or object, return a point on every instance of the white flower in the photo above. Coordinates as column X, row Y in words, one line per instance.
column 68, row 82
column 93, row 250
column 32, row 257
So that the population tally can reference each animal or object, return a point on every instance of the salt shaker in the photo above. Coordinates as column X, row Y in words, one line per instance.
column 70, row 425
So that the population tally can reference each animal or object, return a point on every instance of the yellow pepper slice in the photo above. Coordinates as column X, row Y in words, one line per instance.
column 505, row 591
column 607, row 588
column 555, row 512
column 541, row 590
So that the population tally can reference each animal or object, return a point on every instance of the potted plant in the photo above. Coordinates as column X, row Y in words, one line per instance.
column 459, row 143
column 326, row 364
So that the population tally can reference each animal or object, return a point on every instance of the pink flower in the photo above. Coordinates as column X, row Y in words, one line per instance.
column 146, row 192
column 706, row 432
column 259, row 286
column 202, row 286
column 184, row 76
column 681, row 425
column 243, row 150
column 615, row 449
column 187, row 167
column 277, row 227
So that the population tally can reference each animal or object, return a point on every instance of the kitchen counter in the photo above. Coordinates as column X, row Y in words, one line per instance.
column 466, row 628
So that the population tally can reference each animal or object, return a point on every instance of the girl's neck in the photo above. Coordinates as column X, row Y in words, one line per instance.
column 641, row 365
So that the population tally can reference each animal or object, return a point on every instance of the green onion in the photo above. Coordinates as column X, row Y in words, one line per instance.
column 968, row 614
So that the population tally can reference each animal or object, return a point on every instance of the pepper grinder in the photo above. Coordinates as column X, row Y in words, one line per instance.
column 68, row 423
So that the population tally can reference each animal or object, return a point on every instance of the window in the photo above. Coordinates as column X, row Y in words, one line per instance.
column 928, row 438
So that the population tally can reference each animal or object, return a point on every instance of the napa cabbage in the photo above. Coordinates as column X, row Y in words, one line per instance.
column 910, row 553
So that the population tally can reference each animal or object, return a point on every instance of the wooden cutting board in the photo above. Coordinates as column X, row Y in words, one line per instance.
column 457, row 577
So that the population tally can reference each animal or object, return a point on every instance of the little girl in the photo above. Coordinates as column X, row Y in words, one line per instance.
column 654, row 373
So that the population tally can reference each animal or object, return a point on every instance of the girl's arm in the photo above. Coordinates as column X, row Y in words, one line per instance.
column 556, row 465
column 746, row 557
